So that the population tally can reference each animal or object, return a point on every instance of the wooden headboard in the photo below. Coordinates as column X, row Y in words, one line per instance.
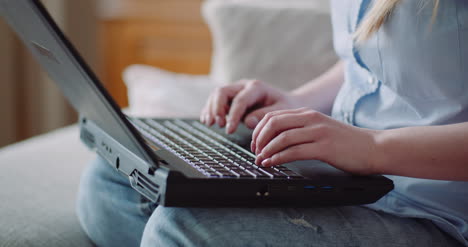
column 168, row 34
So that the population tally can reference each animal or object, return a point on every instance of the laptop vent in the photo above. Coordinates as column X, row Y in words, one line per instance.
column 145, row 186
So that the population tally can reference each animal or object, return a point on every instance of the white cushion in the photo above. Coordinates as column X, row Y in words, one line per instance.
column 153, row 92
column 285, row 43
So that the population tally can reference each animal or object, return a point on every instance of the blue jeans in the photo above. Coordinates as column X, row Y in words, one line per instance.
column 113, row 214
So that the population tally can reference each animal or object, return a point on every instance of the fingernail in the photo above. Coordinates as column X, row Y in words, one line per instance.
column 251, row 122
column 229, row 128
column 252, row 146
column 266, row 162
column 218, row 121
column 258, row 160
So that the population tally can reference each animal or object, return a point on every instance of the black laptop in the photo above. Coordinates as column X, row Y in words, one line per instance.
column 179, row 162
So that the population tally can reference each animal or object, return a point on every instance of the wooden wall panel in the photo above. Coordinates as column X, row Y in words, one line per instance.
column 169, row 34
column 8, row 97
column 30, row 103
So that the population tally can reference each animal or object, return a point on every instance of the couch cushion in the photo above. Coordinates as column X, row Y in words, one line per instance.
column 38, row 185
column 285, row 43
column 154, row 92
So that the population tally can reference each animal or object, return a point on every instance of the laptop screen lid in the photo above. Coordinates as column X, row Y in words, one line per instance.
column 56, row 54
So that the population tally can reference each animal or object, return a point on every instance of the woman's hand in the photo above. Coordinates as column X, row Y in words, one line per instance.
column 248, row 101
column 303, row 134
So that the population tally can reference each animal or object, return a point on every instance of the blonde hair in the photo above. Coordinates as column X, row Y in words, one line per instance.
column 377, row 15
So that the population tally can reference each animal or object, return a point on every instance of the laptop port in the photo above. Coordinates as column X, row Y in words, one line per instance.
column 327, row 188
column 263, row 191
column 310, row 187
column 353, row 189
column 117, row 163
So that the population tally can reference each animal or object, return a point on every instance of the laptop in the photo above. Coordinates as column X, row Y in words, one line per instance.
column 179, row 162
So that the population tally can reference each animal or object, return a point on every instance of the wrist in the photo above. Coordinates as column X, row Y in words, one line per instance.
column 314, row 97
column 377, row 159
column 300, row 99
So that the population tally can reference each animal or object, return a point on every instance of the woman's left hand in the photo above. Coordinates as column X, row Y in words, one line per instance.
column 304, row 134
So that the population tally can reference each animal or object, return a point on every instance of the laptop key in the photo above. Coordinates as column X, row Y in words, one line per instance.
column 239, row 161
column 274, row 172
column 212, row 154
column 235, row 168
column 258, row 173
column 244, row 174
column 218, row 168
column 213, row 174
column 292, row 174
column 227, row 174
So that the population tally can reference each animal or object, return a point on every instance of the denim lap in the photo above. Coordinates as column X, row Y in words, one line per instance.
column 109, row 210
column 113, row 214
column 336, row 226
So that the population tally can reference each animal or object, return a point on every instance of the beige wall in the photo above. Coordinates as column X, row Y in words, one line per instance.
column 30, row 103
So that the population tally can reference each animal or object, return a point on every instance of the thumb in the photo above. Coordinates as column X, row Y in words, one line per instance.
column 253, row 118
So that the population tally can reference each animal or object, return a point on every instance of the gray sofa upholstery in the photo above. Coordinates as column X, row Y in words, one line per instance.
column 38, row 186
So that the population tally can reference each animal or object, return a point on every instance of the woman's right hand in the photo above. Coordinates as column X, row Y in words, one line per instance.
column 247, row 101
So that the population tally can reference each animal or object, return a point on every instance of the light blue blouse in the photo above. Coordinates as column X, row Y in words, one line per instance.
column 410, row 73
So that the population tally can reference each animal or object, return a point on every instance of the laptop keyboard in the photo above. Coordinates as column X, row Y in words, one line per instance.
column 209, row 152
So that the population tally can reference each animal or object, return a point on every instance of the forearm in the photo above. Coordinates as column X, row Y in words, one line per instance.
column 433, row 152
column 320, row 93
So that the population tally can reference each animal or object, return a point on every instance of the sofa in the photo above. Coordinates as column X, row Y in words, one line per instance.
column 285, row 43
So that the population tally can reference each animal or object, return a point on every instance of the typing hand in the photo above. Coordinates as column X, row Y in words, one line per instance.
column 246, row 100
column 302, row 134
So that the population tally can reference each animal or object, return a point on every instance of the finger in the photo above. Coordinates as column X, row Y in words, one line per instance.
column 264, row 121
column 243, row 100
column 205, row 117
column 220, row 103
column 308, row 117
column 308, row 151
column 253, row 118
column 209, row 118
column 275, row 126
column 287, row 139
column 202, row 115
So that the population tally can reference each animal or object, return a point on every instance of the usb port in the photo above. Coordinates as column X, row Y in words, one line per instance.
column 310, row 187
column 327, row 188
